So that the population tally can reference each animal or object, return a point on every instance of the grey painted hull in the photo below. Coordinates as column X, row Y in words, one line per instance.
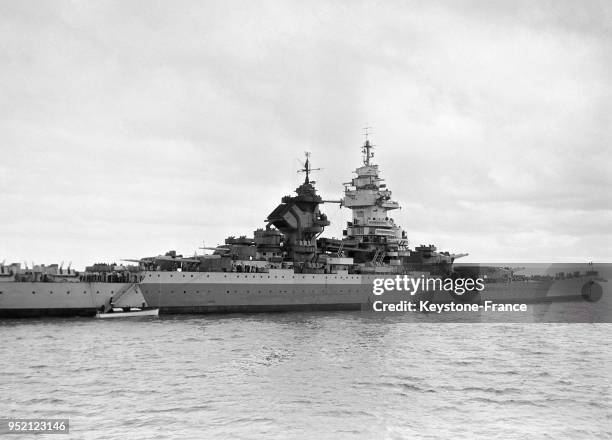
column 570, row 289
column 277, row 291
column 218, row 292
column 36, row 299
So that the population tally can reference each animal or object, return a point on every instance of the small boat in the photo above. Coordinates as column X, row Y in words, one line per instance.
column 128, row 313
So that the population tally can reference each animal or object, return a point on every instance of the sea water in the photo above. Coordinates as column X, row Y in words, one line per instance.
column 309, row 375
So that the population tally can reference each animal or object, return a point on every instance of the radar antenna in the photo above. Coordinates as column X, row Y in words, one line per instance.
column 367, row 147
column 307, row 169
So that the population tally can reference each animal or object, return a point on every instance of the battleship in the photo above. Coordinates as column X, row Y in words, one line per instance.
column 285, row 266
column 288, row 266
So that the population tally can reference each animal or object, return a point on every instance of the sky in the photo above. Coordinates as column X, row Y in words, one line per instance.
column 131, row 128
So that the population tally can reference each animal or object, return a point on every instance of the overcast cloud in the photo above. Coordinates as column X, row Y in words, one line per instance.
column 131, row 128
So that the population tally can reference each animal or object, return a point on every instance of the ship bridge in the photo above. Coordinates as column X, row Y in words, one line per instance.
column 369, row 199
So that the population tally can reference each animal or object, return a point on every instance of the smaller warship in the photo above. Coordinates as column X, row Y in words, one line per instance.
column 51, row 290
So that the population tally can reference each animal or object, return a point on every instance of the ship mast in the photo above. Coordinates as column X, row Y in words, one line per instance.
column 366, row 148
column 307, row 168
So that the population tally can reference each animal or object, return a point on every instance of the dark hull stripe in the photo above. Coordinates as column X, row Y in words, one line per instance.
column 260, row 308
column 39, row 313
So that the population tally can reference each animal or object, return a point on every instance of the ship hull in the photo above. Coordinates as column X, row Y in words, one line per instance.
column 540, row 291
column 219, row 292
column 282, row 290
column 277, row 291
column 38, row 299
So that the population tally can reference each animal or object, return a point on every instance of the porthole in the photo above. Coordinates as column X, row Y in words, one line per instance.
column 33, row 293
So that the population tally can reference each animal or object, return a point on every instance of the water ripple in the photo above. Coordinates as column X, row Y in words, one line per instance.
column 303, row 375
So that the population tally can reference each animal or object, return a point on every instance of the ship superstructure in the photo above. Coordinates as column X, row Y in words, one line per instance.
column 300, row 222
column 372, row 239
